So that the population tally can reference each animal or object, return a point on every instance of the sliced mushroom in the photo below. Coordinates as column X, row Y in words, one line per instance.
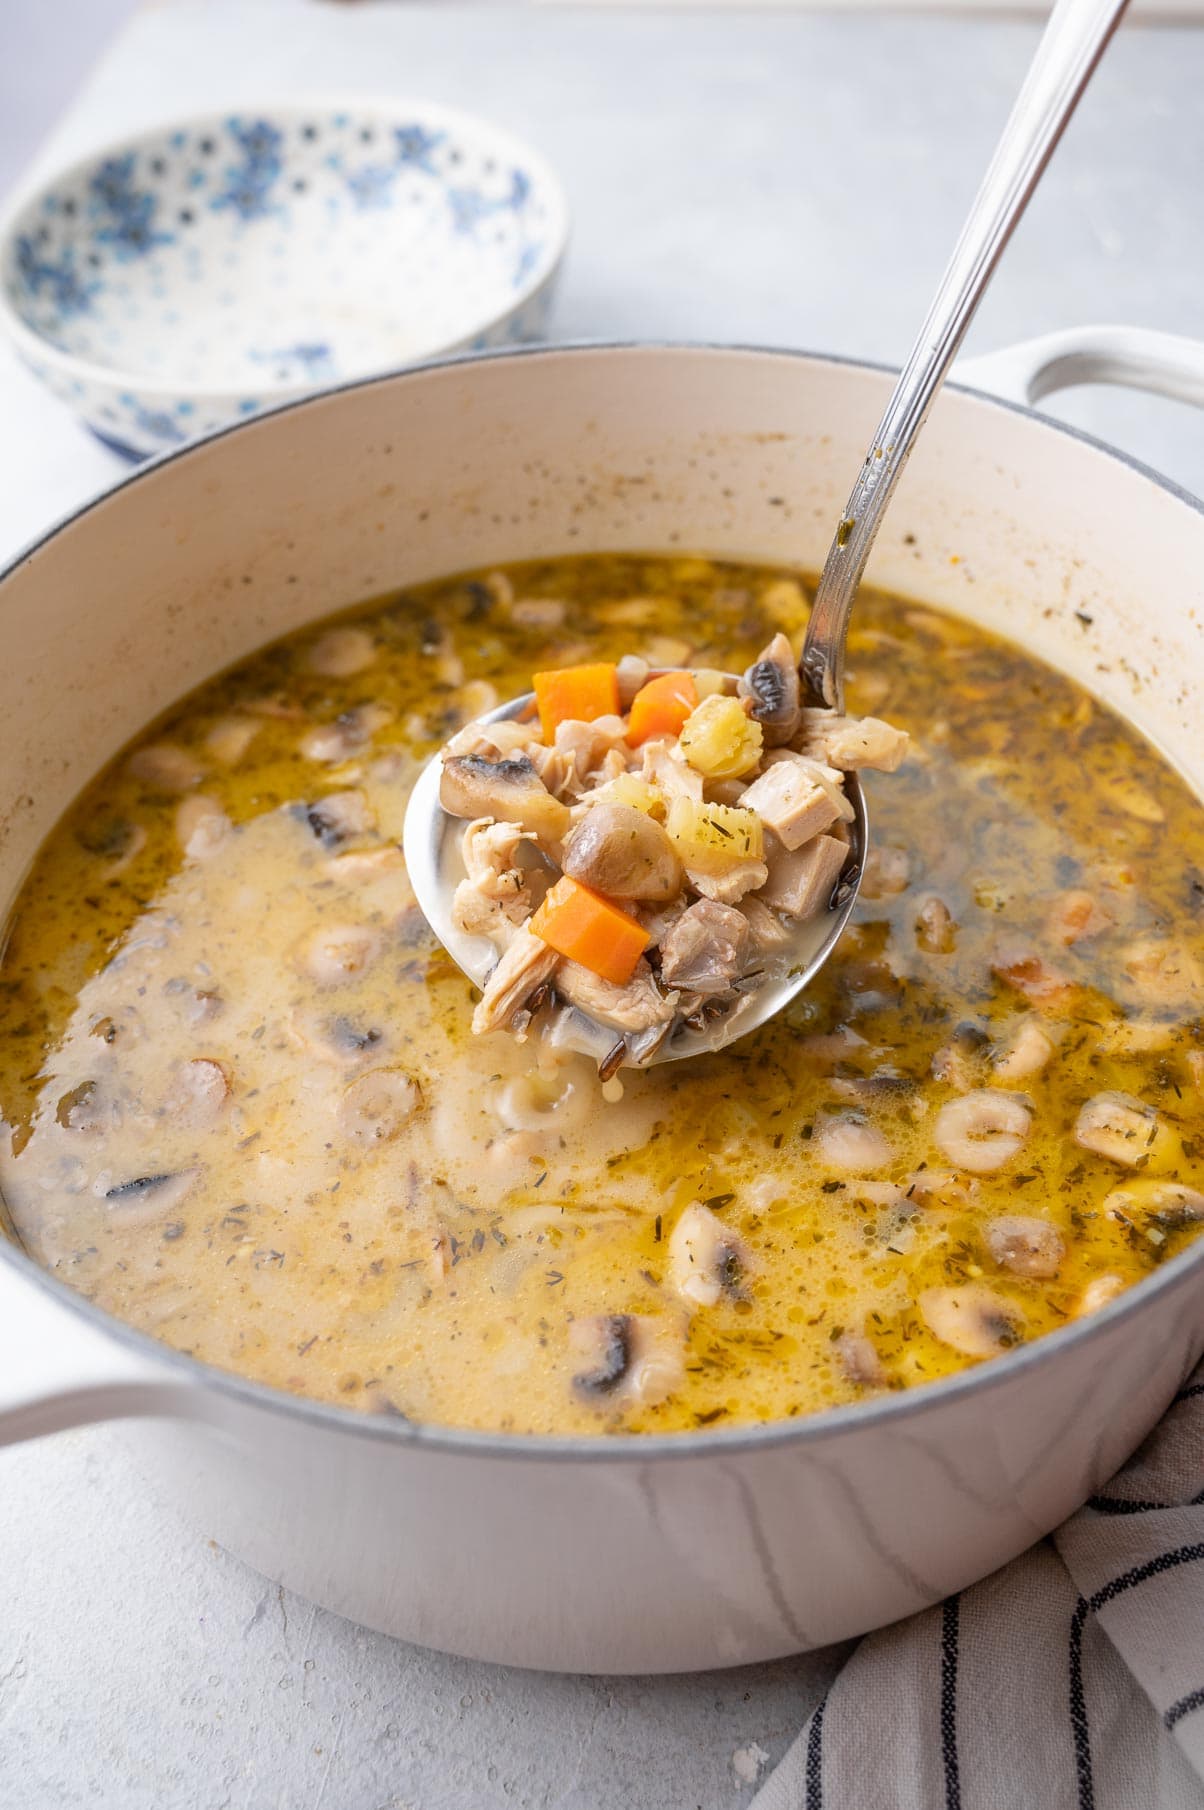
column 628, row 1355
column 887, row 871
column 859, row 1360
column 962, row 1062
column 848, row 1143
column 276, row 709
column 340, row 652
column 201, row 827
column 1119, row 1127
column 377, row 1106
column 771, row 683
column 827, row 1047
column 339, row 816
column 360, row 866
column 1024, row 1244
column 543, row 1100
column 115, row 839
column 544, row 613
column 1026, row 1051
column 607, row 1342
column 706, row 951
column 335, row 1037
column 1150, row 1201
column 982, row 1130
column 338, row 953
column 936, row 931
column 623, row 852
column 971, row 1318
column 197, row 1093
column 510, row 791
column 165, row 767
column 939, row 1188
column 1098, row 1292
column 347, row 736
column 706, row 1259
column 230, row 737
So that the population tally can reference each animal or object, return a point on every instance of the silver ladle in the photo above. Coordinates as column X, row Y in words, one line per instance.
column 1070, row 48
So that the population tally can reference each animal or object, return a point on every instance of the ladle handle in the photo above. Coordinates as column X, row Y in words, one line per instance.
column 1070, row 47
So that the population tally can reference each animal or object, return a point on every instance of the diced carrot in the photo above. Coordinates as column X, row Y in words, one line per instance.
column 661, row 707
column 578, row 922
column 576, row 694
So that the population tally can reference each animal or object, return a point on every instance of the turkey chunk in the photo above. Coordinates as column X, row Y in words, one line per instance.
column 707, row 949
column 801, row 880
column 522, row 970
column 850, row 743
column 797, row 798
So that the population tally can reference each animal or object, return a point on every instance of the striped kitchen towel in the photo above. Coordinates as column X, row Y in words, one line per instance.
column 1073, row 1679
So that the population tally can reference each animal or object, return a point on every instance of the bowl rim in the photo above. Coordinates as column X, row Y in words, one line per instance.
column 894, row 1408
column 384, row 109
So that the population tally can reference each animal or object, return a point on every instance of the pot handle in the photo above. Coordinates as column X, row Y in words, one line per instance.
column 1136, row 358
column 60, row 1368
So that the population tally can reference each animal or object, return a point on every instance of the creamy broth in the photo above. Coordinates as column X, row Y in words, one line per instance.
column 246, row 1113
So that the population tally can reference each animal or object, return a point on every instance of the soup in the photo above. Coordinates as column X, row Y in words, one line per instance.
column 245, row 1110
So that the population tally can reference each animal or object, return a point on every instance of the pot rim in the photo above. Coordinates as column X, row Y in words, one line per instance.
column 895, row 1407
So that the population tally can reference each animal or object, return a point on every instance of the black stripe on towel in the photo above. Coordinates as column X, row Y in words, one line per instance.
column 1080, row 1729
column 813, row 1778
column 950, row 1619
column 1119, row 1505
column 1184, row 1707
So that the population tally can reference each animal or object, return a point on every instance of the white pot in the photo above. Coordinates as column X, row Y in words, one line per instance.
column 621, row 1554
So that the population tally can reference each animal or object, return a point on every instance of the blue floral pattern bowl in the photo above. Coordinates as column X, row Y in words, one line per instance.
column 200, row 272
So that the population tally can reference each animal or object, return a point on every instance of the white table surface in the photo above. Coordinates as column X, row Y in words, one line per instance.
column 721, row 168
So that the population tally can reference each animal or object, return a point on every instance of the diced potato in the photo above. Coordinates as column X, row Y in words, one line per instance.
column 630, row 789
column 719, row 740
column 710, row 838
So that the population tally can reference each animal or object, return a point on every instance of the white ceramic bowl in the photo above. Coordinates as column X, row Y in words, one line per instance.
column 189, row 276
